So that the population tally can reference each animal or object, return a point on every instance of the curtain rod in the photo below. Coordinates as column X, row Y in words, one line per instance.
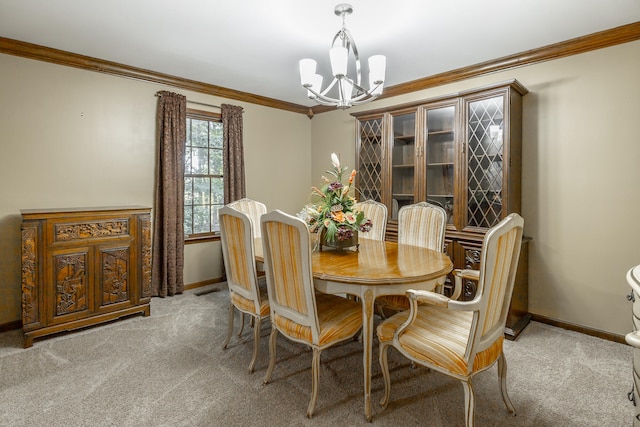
column 200, row 103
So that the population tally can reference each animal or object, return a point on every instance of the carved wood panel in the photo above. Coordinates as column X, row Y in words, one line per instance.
column 71, row 283
column 87, row 230
column 471, row 261
column 115, row 275
column 29, row 276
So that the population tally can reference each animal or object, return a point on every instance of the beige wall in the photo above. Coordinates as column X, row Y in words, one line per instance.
column 581, row 178
column 77, row 138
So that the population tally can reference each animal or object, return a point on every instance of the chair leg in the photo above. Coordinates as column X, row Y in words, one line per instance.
column 469, row 402
column 256, row 343
column 380, row 311
column 230, row 329
column 502, row 376
column 385, row 374
column 315, row 379
column 272, row 354
column 241, row 324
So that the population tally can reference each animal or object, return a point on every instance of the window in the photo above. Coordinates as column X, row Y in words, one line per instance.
column 203, row 175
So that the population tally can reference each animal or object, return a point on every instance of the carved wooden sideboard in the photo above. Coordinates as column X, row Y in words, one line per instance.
column 83, row 266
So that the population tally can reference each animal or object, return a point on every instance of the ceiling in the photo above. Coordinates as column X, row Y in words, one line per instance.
column 254, row 45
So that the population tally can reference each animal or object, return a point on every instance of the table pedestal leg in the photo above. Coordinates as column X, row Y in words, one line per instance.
column 367, row 341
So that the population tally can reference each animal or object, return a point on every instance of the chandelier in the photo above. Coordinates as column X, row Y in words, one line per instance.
column 348, row 91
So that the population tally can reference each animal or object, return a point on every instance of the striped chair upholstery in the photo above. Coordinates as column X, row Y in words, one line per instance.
column 422, row 224
column 461, row 338
column 254, row 211
column 377, row 213
column 297, row 312
column 236, row 237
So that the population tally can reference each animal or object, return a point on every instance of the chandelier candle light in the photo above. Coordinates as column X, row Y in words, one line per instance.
column 349, row 91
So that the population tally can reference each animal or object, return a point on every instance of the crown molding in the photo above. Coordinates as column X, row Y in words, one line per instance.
column 602, row 39
column 61, row 57
column 619, row 35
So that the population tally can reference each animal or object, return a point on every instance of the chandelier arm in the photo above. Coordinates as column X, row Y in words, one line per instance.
column 323, row 99
column 365, row 93
column 331, row 85
column 354, row 49
column 362, row 95
column 363, row 101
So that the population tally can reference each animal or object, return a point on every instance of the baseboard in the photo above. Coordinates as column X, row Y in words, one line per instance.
column 10, row 326
column 577, row 328
column 203, row 283
column 534, row 317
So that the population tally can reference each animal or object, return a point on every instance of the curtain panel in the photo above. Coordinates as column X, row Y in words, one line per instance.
column 234, row 187
column 168, row 227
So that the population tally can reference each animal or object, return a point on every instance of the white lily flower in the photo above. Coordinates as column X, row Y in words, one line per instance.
column 335, row 161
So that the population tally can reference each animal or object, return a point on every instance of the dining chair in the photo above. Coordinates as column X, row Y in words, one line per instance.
column 377, row 213
column 297, row 311
column 421, row 224
column 246, row 295
column 461, row 338
column 254, row 211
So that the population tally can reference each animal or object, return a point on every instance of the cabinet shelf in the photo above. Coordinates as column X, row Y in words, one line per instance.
column 407, row 139
column 403, row 166
column 440, row 132
column 371, row 135
column 442, row 164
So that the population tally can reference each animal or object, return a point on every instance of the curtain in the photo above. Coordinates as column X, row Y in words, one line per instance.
column 168, row 228
column 233, row 157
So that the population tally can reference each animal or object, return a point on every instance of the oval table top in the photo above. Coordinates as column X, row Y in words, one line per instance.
column 376, row 263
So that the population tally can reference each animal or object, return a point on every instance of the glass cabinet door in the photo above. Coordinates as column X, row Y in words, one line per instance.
column 485, row 124
column 369, row 177
column 402, row 161
column 440, row 157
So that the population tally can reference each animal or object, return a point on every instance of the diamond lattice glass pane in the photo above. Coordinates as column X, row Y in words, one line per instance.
column 485, row 148
column 370, row 156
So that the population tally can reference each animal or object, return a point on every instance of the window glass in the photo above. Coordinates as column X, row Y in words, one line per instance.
column 203, row 174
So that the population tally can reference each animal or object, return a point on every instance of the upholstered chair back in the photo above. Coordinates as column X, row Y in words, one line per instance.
column 254, row 211
column 422, row 224
column 377, row 213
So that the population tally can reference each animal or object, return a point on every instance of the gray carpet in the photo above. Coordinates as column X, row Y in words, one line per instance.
column 169, row 370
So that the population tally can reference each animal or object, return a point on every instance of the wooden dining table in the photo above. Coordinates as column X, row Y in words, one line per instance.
column 375, row 269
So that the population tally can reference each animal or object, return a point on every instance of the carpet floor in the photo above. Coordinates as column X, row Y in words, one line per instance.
column 169, row 369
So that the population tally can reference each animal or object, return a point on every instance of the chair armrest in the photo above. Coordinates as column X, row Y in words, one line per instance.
column 428, row 297
column 633, row 339
column 459, row 275
column 433, row 298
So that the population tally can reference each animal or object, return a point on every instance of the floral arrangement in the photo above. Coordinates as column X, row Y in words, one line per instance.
column 332, row 210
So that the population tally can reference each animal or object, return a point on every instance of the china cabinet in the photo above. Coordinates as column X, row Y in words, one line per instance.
column 82, row 267
column 461, row 152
